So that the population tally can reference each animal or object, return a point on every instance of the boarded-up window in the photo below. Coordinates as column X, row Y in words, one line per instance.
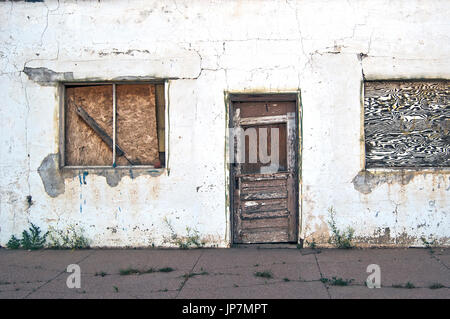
column 407, row 123
column 136, row 129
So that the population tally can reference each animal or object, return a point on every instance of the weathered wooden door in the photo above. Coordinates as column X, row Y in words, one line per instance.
column 265, row 199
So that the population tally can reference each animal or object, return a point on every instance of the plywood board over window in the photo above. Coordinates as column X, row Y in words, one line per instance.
column 83, row 146
column 136, row 124
column 407, row 124
column 92, row 131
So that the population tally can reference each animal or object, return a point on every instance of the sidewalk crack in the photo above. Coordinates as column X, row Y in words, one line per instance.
column 433, row 256
column 59, row 274
column 187, row 277
column 321, row 276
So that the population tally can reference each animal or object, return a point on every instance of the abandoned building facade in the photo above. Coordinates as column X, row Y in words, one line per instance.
column 153, row 123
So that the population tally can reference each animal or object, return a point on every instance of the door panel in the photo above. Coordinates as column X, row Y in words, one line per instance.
column 255, row 109
column 265, row 203
column 247, row 167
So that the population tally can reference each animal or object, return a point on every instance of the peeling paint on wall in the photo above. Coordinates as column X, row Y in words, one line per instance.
column 53, row 177
column 47, row 77
column 365, row 182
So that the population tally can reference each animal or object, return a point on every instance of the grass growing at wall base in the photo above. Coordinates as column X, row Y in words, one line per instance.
column 13, row 243
column 31, row 239
column 191, row 240
column 339, row 238
column 70, row 238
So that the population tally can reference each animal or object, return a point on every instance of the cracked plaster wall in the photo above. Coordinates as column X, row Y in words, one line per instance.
column 322, row 48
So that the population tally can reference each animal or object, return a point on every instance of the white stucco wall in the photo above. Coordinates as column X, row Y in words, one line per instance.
column 206, row 48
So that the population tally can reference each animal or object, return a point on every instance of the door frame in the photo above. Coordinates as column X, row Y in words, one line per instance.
column 232, row 97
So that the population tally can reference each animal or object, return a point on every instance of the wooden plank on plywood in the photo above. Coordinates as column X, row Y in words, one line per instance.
column 94, row 125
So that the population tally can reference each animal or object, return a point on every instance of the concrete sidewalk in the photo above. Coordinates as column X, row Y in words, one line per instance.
column 225, row 273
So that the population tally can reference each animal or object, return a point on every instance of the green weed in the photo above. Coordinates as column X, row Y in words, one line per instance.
column 340, row 239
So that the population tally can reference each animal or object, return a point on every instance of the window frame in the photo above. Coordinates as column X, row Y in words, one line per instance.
column 62, row 128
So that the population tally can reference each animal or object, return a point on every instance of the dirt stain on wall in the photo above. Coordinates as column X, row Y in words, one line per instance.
column 365, row 182
column 47, row 77
column 53, row 177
